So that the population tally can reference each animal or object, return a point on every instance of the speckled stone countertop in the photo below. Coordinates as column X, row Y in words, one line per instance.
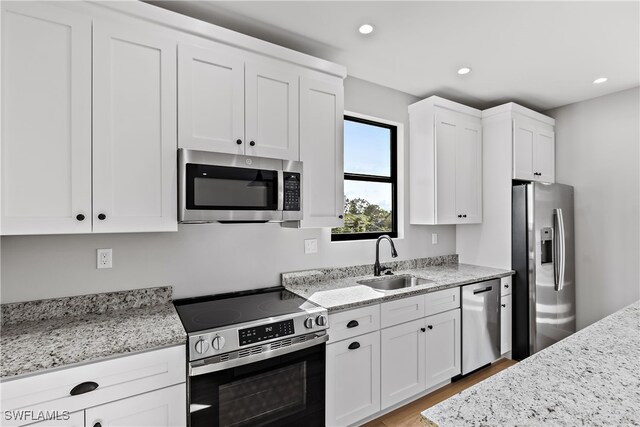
column 47, row 334
column 338, row 289
column 590, row 378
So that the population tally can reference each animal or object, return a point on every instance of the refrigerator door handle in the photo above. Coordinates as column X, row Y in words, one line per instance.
column 559, row 250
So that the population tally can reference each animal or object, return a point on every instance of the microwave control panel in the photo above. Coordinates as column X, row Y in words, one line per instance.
column 291, row 191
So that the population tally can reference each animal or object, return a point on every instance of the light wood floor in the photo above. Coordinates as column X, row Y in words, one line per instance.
column 409, row 415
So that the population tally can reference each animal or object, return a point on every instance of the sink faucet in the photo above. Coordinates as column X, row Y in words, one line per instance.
column 377, row 268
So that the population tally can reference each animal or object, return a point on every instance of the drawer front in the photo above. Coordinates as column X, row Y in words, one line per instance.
column 116, row 378
column 505, row 286
column 437, row 302
column 351, row 323
column 401, row 310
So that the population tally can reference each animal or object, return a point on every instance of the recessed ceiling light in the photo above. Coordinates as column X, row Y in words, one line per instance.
column 464, row 70
column 600, row 80
column 366, row 29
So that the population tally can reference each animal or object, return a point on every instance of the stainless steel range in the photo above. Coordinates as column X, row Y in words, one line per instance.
column 255, row 358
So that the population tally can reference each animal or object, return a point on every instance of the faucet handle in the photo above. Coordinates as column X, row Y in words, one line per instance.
column 388, row 272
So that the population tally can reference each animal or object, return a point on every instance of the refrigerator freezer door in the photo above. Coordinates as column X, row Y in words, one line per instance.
column 555, row 313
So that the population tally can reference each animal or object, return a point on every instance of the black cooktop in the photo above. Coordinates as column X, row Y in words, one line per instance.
column 202, row 313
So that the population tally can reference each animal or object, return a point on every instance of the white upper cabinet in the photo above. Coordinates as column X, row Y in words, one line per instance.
column 446, row 163
column 134, row 128
column 210, row 99
column 46, row 120
column 533, row 146
column 321, row 151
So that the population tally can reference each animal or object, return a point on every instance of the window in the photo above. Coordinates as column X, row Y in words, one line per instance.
column 369, row 180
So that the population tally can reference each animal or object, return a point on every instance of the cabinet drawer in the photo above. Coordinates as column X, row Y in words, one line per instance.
column 401, row 310
column 350, row 323
column 505, row 286
column 116, row 378
column 437, row 302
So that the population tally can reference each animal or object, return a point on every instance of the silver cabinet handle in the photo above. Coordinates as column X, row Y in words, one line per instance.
column 559, row 256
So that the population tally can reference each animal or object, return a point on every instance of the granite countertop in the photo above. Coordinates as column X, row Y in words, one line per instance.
column 589, row 378
column 46, row 334
column 337, row 289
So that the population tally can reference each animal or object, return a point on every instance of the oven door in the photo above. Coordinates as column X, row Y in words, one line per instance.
column 284, row 391
column 223, row 187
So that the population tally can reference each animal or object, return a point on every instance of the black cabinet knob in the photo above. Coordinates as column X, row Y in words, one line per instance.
column 97, row 425
column 352, row 324
column 252, row 143
column 239, row 141
column 80, row 217
column 102, row 217
column 506, row 285
column 423, row 330
column 459, row 216
column 354, row 345
column 430, row 327
column 82, row 388
column 464, row 216
column 340, row 216
column 504, row 305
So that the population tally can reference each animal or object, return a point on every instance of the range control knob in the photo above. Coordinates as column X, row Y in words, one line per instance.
column 321, row 320
column 218, row 342
column 202, row 346
column 309, row 323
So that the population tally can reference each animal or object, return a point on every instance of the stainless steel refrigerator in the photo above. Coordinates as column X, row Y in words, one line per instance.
column 544, row 288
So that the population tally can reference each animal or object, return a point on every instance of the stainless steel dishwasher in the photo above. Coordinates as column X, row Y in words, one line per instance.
column 480, row 324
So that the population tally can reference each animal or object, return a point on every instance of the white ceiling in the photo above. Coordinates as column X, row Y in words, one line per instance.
column 540, row 54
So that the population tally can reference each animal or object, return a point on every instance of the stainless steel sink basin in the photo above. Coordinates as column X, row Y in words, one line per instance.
column 389, row 283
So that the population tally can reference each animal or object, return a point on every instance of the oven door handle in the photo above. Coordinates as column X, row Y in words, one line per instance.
column 280, row 190
column 202, row 367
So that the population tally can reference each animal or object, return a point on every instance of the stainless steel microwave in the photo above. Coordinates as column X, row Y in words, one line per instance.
column 217, row 187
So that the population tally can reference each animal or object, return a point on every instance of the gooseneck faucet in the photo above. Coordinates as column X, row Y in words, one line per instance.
column 377, row 268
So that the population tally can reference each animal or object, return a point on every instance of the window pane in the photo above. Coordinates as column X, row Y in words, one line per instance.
column 367, row 149
column 367, row 207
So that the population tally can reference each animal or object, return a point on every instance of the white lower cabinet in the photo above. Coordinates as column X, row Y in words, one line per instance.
column 505, row 323
column 353, row 379
column 159, row 408
column 443, row 347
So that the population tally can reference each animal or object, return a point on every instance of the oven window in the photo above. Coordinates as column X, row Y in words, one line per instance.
column 247, row 401
column 231, row 188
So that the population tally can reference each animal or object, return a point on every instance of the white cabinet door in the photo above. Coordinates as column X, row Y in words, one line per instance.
column 76, row 419
column 210, row 99
column 523, row 140
column 353, row 379
column 469, row 172
column 271, row 105
column 164, row 407
column 46, row 120
column 445, row 141
column 321, row 151
column 443, row 347
column 544, row 155
column 505, row 323
column 134, row 128
column 403, row 362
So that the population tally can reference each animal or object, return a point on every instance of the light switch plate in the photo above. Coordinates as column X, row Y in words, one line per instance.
column 434, row 238
column 104, row 258
column 311, row 246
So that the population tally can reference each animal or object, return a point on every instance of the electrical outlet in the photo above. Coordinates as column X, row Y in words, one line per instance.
column 105, row 258
column 434, row 238
column 311, row 246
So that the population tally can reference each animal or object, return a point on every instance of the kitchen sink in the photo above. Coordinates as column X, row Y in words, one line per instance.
column 394, row 282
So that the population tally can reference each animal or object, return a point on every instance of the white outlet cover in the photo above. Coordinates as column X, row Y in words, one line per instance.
column 311, row 246
column 434, row 238
column 104, row 258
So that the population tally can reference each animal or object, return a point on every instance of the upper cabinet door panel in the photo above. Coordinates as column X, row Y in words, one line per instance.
column 210, row 99
column 544, row 155
column 445, row 138
column 134, row 134
column 523, row 141
column 469, row 172
column 46, row 120
column 321, row 151
column 271, row 104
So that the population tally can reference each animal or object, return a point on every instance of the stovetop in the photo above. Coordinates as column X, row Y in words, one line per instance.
column 216, row 311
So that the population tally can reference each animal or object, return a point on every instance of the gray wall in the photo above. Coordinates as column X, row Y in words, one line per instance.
column 597, row 152
column 205, row 259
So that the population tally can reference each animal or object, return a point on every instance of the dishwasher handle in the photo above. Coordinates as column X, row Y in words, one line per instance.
column 479, row 291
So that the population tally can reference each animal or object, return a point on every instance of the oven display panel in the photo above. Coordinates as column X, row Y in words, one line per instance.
column 265, row 332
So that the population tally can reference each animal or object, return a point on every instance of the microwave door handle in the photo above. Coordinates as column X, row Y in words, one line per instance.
column 280, row 191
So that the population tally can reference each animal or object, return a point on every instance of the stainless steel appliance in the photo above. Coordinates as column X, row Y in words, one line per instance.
column 255, row 359
column 544, row 309
column 480, row 324
column 217, row 187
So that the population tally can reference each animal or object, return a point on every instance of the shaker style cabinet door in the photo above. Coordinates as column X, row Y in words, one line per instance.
column 210, row 99
column 134, row 128
column 469, row 172
column 544, row 155
column 271, row 108
column 46, row 120
column 523, row 140
column 445, row 140
column 160, row 408
column 533, row 150
column 506, row 311
column 443, row 347
column 321, row 151
column 353, row 379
